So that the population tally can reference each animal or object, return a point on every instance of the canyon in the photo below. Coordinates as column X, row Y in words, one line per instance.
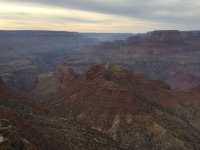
column 68, row 90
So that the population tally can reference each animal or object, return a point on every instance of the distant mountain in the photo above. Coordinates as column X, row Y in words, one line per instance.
column 25, row 54
column 108, row 37
column 167, row 36
column 168, row 55
column 158, row 54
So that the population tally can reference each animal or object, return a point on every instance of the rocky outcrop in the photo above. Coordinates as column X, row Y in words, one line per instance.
column 167, row 36
column 136, row 112
column 108, row 108
column 25, row 125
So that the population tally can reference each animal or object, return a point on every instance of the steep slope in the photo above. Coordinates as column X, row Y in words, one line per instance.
column 26, row 126
column 137, row 113
column 108, row 107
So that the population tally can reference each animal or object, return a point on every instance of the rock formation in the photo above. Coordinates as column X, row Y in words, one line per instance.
column 136, row 112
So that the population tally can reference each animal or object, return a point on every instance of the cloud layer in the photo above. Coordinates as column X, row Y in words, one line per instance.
column 122, row 15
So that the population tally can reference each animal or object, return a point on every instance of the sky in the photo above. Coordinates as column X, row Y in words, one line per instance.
column 100, row 15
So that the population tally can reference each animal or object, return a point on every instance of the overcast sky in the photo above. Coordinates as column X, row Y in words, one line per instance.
column 100, row 15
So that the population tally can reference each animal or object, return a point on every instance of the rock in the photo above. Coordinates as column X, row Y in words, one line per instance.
column 167, row 36
column 132, row 110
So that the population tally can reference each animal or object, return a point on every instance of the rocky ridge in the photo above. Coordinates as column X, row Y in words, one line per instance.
column 136, row 112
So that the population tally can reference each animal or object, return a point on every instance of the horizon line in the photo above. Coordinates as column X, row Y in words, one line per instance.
column 41, row 30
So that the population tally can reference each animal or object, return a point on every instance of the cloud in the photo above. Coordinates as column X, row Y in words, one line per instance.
column 168, row 10
column 180, row 14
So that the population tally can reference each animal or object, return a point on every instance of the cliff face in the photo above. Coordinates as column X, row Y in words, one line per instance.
column 167, row 36
column 24, row 54
column 107, row 107
column 136, row 112
column 156, row 54
column 26, row 125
